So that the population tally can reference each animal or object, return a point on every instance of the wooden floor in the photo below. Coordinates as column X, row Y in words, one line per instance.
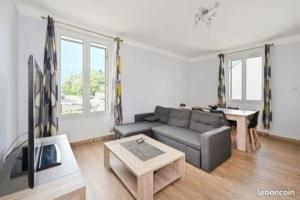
column 276, row 165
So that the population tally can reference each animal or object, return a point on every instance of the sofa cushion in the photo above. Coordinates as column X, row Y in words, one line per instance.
column 192, row 155
column 204, row 121
column 179, row 117
column 135, row 128
column 162, row 113
column 185, row 136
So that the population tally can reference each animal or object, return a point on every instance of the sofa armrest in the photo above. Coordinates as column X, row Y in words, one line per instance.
column 140, row 117
column 215, row 147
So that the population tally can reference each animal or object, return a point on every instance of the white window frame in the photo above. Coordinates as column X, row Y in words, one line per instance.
column 87, row 38
column 259, row 52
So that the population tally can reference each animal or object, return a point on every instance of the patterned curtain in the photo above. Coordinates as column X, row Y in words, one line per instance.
column 50, row 88
column 221, row 83
column 267, row 112
column 118, row 114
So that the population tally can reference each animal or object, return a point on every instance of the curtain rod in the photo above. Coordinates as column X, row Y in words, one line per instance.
column 241, row 50
column 84, row 29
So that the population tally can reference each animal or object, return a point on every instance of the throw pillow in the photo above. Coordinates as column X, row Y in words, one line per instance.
column 162, row 113
column 151, row 119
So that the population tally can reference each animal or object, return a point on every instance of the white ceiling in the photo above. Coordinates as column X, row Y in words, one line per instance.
column 169, row 25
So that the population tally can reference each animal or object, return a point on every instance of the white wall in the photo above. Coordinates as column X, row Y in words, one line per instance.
column 286, row 90
column 8, row 74
column 32, row 35
column 148, row 79
column 285, row 87
column 204, row 82
column 151, row 79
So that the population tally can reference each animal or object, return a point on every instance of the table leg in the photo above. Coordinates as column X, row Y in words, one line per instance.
column 242, row 134
column 179, row 166
column 145, row 186
column 106, row 157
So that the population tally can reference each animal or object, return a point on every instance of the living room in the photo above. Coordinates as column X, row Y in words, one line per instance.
column 189, row 76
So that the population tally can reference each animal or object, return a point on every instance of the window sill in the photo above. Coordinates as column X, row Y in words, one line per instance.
column 245, row 102
column 83, row 116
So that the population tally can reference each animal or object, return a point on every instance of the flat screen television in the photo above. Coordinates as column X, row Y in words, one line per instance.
column 28, row 157
column 40, row 156
column 35, row 156
column 35, row 100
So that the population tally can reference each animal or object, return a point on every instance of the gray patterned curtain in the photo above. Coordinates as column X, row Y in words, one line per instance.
column 118, row 114
column 221, row 83
column 50, row 88
column 267, row 112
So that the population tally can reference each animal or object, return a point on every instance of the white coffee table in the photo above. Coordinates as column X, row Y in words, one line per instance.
column 144, row 178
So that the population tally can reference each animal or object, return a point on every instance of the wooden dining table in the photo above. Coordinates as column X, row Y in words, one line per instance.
column 241, row 117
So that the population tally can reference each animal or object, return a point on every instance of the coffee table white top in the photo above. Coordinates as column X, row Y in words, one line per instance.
column 137, row 166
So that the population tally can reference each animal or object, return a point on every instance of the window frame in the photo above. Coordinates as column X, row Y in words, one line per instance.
column 88, row 39
column 244, row 55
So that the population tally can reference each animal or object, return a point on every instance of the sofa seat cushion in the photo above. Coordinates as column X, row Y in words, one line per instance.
column 135, row 128
column 180, row 117
column 204, row 121
column 185, row 136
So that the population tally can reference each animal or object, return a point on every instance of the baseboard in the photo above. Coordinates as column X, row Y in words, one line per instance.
column 276, row 137
column 110, row 136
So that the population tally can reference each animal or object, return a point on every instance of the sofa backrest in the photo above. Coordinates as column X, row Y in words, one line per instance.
column 180, row 117
column 162, row 113
column 205, row 121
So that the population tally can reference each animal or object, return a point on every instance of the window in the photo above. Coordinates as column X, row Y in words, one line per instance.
column 254, row 78
column 245, row 77
column 97, row 78
column 236, row 79
column 71, row 77
column 83, row 74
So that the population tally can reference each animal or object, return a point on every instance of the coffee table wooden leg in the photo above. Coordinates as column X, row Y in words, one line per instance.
column 145, row 186
column 179, row 166
column 106, row 158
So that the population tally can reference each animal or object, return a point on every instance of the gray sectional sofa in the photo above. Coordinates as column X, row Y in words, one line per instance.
column 202, row 136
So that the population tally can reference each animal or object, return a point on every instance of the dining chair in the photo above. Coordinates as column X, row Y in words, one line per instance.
column 253, row 136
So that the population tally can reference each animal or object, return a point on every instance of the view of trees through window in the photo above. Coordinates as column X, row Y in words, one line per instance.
column 71, row 76
column 97, row 78
column 80, row 82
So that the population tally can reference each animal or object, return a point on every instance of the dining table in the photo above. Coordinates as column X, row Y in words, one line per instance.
column 242, row 119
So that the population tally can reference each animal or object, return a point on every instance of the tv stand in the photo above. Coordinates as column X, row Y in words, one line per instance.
column 61, row 182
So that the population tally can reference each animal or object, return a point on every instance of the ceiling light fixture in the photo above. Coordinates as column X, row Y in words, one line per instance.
column 206, row 15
